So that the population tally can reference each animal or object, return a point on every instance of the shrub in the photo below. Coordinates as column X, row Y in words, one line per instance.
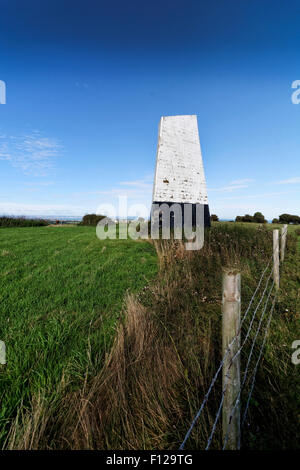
column 91, row 219
column 244, row 218
column 259, row 218
column 289, row 219
column 214, row 218
column 21, row 222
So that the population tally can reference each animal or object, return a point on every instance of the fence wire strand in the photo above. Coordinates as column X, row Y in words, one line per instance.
column 237, row 401
column 258, row 361
column 231, row 362
column 197, row 416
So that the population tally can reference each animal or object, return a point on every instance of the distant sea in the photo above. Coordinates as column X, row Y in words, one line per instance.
column 75, row 218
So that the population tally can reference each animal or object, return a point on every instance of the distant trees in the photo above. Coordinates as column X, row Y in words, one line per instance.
column 91, row 219
column 289, row 219
column 21, row 222
column 214, row 218
column 244, row 218
column 258, row 218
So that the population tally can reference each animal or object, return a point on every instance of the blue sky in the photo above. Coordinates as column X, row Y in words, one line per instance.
column 87, row 82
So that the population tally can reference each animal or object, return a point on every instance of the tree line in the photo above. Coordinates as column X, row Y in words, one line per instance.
column 6, row 221
column 259, row 218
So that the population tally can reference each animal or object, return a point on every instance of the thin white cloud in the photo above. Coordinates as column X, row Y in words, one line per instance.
column 14, row 208
column 40, row 183
column 262, row 195
column 133, row 193
column 135, row 189
column 294, row 180
column 33, row 153
column 242, row 181
column 232, row 186
column 229, row 188
column 139, row 184
column 146, row 182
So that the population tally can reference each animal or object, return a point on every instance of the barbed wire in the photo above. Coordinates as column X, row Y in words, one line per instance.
column 231, row 362
column 237, row 401
column 258, row 361
column 197, row 416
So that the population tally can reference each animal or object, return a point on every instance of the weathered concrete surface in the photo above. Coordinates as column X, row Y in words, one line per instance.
column 179, row 174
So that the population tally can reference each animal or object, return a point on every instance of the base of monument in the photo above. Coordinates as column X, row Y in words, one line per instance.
column 181, row 204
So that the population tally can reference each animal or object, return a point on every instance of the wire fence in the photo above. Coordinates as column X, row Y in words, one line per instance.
column 262, row 304
column 237, row 402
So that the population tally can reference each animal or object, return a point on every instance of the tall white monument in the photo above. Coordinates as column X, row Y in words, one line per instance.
column 179, row 174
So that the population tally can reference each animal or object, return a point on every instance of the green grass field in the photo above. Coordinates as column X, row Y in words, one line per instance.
column 291, row 228
column 61, row 293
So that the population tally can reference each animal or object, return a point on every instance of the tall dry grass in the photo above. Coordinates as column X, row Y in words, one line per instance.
column 165, row 353
column 159, row 366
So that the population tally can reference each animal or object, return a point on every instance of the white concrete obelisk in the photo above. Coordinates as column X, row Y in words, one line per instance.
column 179, row 174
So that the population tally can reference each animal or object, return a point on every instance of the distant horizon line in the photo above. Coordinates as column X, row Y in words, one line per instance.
column 79, row 217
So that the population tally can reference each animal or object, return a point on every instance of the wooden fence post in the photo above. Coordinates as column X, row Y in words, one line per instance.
column 2, row 353
column 231, row 317
column 283, row 241
column 276, row 257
